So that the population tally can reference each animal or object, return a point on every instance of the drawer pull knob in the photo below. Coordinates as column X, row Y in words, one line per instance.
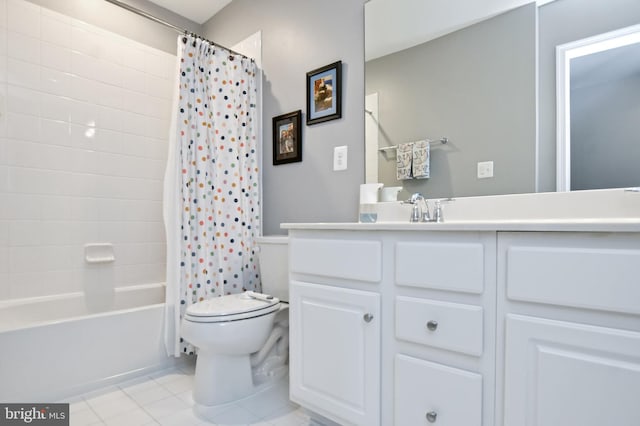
column 432, row 325
column 432, row 416
column 367, row 317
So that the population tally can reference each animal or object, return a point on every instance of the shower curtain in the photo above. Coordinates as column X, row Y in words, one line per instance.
column 211, row 192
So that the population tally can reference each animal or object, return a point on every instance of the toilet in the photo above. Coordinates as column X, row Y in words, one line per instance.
column 242, row 340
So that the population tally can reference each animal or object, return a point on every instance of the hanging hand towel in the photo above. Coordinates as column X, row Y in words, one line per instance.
column 403, row 161
column 421, row 157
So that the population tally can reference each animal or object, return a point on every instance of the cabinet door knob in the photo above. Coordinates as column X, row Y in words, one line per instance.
column 432, row 325
column 367, row 317
column 432, row 416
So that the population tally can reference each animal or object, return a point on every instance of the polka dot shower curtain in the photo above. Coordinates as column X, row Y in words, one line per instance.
column 211, row 194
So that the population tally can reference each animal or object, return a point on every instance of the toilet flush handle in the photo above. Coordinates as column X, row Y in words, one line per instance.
column 367, row 317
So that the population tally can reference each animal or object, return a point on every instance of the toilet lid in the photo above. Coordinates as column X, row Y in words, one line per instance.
column 232, row 307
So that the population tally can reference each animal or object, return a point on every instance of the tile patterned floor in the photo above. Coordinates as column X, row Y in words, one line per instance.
column 164, row 398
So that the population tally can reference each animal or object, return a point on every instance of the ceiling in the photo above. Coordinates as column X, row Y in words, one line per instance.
column 391, row 25
column 195, row 10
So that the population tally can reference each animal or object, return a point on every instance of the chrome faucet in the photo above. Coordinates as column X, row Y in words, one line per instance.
column 420, row 215
column 416, row 210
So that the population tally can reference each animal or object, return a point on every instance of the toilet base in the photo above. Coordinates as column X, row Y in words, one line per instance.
column 205, row 412
column 220, row 379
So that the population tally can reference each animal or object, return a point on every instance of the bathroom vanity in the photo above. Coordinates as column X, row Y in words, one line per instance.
column 477, row 322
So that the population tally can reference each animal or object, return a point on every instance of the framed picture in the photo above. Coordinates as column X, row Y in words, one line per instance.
column 324, row 93
column 287, row 138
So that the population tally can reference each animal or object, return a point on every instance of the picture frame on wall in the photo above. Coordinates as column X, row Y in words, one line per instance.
column 287, row 138
column 324, row 93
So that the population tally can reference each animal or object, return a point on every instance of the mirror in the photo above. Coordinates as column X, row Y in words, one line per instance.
column 598, row 81
column 489, row 87
column 476, row 88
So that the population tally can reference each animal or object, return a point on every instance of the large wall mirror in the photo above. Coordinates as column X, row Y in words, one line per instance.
column 489, row 86
column 598, row 107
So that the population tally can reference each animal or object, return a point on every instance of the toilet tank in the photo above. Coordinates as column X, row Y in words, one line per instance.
column 273, row 258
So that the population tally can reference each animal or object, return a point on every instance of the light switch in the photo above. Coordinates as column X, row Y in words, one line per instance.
column 485, row 169
column 340, row 158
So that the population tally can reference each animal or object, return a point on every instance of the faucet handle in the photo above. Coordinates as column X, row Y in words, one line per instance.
column 426, row 217
column 414, row 198
column 437, row 214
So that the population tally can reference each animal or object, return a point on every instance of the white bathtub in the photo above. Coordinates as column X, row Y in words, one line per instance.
column 58, row 346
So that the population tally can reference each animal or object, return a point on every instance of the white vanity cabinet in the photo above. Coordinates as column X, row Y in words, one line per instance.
column 444, row 328
column 335, row 327
column 571, row 305
column 476, row 325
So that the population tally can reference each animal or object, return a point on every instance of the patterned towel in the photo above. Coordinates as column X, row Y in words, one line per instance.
column 403, row 161
column 421, row 156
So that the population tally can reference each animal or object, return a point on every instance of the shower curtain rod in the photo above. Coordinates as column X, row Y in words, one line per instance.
column 168, row 24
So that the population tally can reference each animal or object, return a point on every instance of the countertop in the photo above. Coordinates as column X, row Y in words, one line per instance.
column 548, row 225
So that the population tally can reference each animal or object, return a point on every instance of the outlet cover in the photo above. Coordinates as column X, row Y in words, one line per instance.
column 485, row 169
column 340, row 158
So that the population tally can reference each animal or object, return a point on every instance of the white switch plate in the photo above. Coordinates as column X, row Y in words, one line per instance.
column 340, row 158
column 485, row 169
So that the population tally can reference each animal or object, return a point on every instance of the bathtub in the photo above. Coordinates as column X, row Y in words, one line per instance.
column 57, row 346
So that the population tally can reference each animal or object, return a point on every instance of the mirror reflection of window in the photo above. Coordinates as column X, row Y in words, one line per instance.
column 605, row 119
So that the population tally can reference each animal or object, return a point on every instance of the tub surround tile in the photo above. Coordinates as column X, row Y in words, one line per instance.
column 23, row 17
column 23, row 47
column 56, row 29
column 3, row 14
column 86, row 123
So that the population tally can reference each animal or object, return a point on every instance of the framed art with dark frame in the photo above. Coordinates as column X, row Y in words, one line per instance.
column 287, row 138
column 324, row 93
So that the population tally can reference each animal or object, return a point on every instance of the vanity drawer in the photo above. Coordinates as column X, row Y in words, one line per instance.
column 453, row 266
column 579, row 270
column 453, row 326
column 427, row 392
column 359, row 260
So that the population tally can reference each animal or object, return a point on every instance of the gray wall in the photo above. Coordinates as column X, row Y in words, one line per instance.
column 560, row 22
column 125, row 23
column 297, row 37
column 475, row 86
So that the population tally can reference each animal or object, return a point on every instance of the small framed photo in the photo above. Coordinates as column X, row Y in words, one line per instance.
column 287, row 138
column 324, row 93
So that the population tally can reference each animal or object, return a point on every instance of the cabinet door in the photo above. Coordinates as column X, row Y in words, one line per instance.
column 559, row 373
column 335, row 352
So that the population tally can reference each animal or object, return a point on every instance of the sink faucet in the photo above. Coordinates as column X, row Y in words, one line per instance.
column 419, row 215
column 416, row 210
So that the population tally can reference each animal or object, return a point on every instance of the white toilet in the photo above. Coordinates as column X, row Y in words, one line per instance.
column 242, row 339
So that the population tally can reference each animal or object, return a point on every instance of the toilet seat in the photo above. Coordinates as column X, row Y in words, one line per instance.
column 233, row 307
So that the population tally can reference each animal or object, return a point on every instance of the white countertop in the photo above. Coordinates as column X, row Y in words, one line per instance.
column 551, row 225
column 611, row 210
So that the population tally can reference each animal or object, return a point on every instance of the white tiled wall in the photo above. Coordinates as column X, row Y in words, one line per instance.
column 84, row 122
